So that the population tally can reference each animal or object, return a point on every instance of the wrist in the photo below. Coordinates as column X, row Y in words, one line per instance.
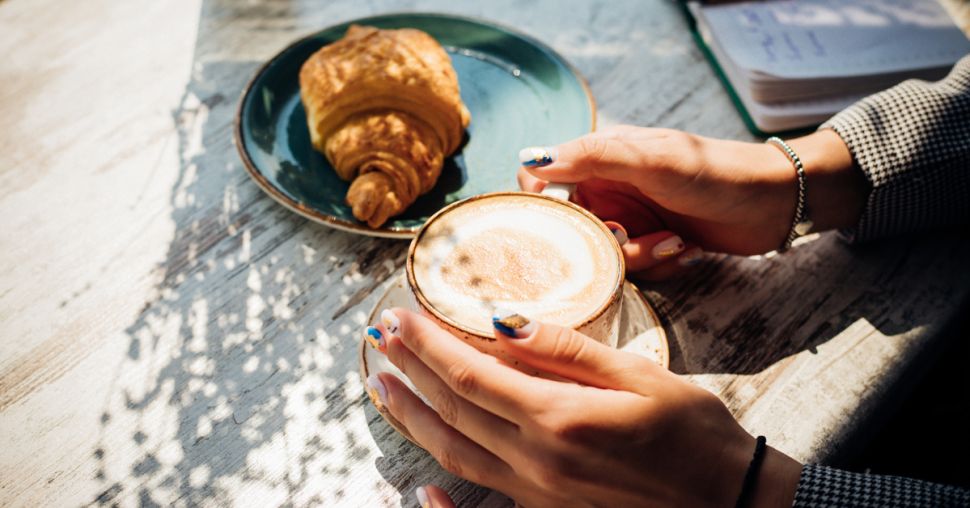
column 762, row 193
column 776, row 478
column 836, row 189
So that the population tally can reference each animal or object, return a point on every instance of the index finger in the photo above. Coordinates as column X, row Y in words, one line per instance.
column 479, row 378
column 610, row 155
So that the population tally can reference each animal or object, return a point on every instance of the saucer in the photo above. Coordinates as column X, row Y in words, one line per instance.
column 519, row 92
column 640, row 333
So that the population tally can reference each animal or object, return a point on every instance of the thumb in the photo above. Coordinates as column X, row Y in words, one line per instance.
column 569, row 354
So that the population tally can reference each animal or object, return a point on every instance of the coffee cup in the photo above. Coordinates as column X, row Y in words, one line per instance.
column 538, row 256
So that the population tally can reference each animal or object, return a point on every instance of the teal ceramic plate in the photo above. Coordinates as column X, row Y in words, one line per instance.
column 519, row 91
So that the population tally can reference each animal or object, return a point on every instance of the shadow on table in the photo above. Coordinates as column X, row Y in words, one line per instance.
column 240, row 377
column 930, row 401
column 742, row 315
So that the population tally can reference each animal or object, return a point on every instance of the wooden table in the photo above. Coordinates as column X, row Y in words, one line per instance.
column 171, row 335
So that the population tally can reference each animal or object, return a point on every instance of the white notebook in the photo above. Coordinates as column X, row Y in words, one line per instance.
column 794, row 63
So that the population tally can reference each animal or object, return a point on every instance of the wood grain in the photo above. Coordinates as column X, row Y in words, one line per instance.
column 173, row 336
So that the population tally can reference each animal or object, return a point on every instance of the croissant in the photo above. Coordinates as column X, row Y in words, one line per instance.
column 384, row 107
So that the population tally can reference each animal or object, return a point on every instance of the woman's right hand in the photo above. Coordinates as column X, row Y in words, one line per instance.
column 668, row 187
column 596, row 427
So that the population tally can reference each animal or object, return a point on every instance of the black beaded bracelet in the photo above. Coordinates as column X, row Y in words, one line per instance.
column 761, row 445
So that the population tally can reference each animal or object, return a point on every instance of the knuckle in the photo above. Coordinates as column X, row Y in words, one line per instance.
column 446, row 405
column 554, row 425
column 567, row 347
column 546, row 478
column 569, row 430
column 679, row 143
column 414, row 340
column 462, row 378
column 449, row 461
column 573, row 432
column 552, row 468
column 593, row 149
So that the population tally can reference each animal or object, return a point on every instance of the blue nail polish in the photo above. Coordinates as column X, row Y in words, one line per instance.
column 537, row 156
column 691, row 257
column 375, row 338
column 619, row 232
column 512, row 325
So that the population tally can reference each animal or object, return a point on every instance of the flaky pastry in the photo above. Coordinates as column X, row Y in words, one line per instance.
column 384, row 107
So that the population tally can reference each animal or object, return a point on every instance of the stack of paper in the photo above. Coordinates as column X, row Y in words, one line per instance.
column 794, row 63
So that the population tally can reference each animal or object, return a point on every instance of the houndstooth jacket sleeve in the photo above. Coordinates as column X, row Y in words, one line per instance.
column 912, row 142
column 823, row 487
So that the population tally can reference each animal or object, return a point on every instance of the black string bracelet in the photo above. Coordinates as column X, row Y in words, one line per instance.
column 748, row 485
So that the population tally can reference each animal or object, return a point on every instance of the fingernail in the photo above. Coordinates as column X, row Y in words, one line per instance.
column 390, row 321
column 375, row 338
column 538, row 156
column 669, row 247
column 376, row 390
column 691, row 257
column 422, row 496
column 512, row 324
column 618, row 231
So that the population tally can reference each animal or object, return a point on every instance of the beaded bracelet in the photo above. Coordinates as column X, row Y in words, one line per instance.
column 761, row 445
column 801, row 224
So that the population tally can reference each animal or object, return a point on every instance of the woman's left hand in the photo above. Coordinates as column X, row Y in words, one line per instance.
column 621, row 431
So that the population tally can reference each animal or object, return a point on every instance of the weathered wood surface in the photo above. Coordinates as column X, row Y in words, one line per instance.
column 171, row 335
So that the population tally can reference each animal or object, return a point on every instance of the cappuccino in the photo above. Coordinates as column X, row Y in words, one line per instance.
column 536, row 256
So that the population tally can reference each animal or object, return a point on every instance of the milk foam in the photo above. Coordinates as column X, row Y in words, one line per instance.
column 576, row 273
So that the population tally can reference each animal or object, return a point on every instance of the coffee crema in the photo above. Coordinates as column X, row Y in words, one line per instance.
column 537, row 257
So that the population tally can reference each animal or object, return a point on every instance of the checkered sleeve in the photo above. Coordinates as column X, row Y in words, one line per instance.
column 822, row 486
column 912, row 142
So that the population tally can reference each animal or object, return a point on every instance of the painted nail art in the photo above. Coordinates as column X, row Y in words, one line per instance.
column 691, row 257
column 618, row 231
column 422, row 496
column 390, row 321
column 538, row 156
column 669, row 247
column 512, row 325
column 376, row 390
column 375, row 338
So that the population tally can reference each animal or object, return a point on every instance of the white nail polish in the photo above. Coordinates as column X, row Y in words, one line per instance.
column 422, row 496
column 376, row 389
column 390, row 321
column 502, row 313
column 668, row 247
